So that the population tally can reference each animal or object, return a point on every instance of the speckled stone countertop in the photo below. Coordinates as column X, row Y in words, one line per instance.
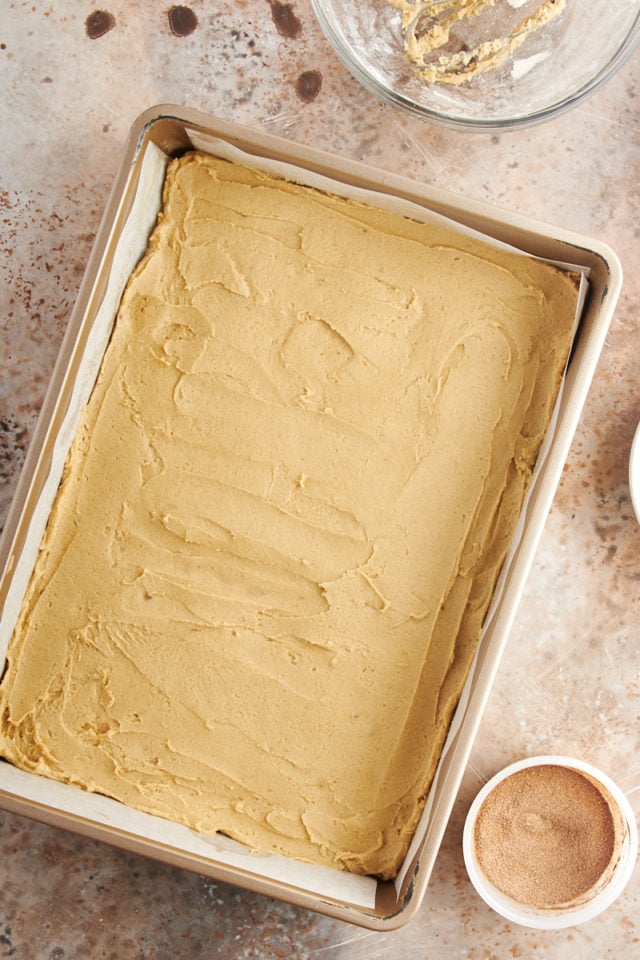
column 73, row 78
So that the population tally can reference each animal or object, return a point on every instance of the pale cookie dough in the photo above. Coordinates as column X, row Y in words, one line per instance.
column 283, row 515
column 427, row 26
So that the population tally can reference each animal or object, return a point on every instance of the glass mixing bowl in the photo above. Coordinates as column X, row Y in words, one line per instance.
column 554, row 68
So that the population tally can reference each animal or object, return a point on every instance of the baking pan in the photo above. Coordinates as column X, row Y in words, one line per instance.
column 158, row 134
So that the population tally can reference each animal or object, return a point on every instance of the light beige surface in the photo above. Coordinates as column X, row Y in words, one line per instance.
column 283, row 515
column 568, row 681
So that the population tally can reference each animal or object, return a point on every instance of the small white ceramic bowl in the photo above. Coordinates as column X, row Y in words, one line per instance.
column 603, row 895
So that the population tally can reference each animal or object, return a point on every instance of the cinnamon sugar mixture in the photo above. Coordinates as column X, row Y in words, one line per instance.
column 545, row 836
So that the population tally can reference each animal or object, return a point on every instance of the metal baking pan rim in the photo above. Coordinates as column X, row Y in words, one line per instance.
column 166, row 125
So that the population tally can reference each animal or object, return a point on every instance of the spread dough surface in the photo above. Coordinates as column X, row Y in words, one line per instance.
column 283, row 515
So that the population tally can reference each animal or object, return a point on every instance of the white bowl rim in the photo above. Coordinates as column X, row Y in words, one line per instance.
column 634, row 473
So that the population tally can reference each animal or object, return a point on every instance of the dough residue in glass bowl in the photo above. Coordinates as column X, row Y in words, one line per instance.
column 439, row 56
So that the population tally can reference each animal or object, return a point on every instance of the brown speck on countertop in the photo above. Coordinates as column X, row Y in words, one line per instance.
column 287, row 23
column 308, row 85
column 182, row 21
column 98, row 23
